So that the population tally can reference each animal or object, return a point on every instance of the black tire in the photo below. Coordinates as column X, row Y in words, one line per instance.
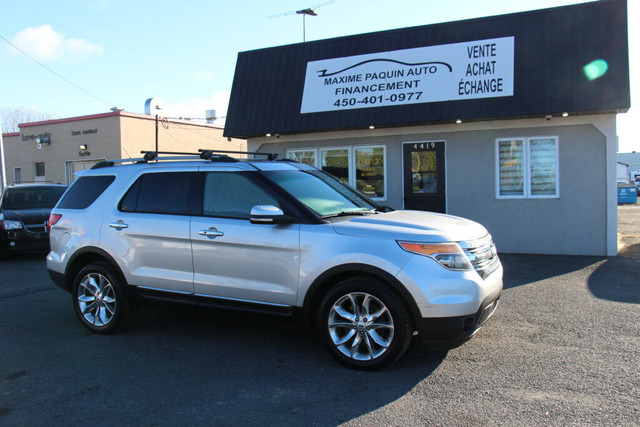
column 100, row 300
column 364, row 323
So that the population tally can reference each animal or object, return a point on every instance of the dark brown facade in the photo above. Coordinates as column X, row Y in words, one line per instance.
column 552, row 51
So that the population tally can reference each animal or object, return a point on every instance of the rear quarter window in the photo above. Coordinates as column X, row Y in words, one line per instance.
column 84, row 191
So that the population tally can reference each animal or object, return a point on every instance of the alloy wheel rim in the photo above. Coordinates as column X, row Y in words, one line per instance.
column 360, row 326
column 96, row 299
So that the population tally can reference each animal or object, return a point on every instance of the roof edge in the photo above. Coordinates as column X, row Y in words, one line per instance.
column 113, row 114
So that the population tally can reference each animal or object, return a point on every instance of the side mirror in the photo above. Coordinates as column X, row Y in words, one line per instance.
column 269, row 214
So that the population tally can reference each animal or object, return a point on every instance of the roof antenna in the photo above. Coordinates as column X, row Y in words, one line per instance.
column 125, row 152
column 304, row 12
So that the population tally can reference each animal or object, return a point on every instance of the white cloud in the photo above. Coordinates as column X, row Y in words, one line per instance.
column 196, row 107
column 202, row 75
column 45, row 44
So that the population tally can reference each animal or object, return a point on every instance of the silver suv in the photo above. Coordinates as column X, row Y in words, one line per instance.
column 273, row 236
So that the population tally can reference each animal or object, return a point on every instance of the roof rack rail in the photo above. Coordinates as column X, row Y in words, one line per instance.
column 213, row 155
column 34, row 182
column 204, row 152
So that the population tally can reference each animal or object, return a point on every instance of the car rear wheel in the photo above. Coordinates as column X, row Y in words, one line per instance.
column 99, row 299
column 364, row 323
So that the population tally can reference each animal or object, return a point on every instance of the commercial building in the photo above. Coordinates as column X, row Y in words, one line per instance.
column 508, row 120
column 54, row 150
column 632, row 160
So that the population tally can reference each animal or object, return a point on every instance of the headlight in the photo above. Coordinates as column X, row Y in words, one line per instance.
column 448, row 255
column 8, row 224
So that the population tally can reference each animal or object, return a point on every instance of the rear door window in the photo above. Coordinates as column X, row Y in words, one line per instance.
column 163, row 193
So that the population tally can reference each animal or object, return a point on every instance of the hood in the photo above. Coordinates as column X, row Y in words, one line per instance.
column 415, row 226
column 27, row 216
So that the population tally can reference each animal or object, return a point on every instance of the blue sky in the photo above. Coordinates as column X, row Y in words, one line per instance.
column 184, row 52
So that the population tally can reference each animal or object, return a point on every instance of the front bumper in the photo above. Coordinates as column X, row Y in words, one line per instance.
column 451, row 332
column 23, row 241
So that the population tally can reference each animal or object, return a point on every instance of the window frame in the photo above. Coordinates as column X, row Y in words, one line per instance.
column 191, row 205
column 314, row 150
column 354, row 176
column 36, row 167
column 349, row 160
column 352, row 173
column 527, row 194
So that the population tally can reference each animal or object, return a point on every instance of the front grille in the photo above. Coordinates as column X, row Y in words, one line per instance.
column 39, row 227
column 482, row 255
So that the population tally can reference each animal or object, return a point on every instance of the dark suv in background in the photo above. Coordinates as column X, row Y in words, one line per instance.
column 24, row 212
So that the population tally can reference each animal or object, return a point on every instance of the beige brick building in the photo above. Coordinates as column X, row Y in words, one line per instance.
column 54, row 150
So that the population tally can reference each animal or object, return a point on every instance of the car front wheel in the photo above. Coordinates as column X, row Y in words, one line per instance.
column 364, row 323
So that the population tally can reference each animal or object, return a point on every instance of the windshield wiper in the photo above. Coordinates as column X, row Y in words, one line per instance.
column 349, row 213
column 384, row 209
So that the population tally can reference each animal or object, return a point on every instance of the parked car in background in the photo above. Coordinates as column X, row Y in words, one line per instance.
column 24, row 212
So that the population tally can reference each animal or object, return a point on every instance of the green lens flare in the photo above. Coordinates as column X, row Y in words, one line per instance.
column 596, row 69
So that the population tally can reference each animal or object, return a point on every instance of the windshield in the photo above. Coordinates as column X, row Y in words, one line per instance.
column 32, row 197
column 321, row 192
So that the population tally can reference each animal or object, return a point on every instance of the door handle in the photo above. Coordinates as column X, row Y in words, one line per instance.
column 211, row 233
column 119, row 225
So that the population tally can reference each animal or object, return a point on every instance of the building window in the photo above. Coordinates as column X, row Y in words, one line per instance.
column 527, row 167
column 17, row 175
column 75, row 166
column 363, row 168
column 424, row 171
column 336, row 162
column 511, row 168
column 543, row 155
column 39, row 169
column 370, row 172
column 308, row 157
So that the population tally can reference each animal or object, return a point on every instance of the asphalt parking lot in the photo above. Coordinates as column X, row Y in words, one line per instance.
column 563, row 349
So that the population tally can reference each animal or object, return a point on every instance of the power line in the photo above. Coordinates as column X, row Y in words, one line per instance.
column 185, row 127
column 54, row 73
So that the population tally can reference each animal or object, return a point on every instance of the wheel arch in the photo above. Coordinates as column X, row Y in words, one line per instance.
column 85, row 256
column 331, row 277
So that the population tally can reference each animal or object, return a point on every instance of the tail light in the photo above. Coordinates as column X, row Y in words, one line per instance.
column 53, row 220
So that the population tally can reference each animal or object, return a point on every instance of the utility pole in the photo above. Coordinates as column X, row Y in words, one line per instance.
column 3, row 179
column 156, row 133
